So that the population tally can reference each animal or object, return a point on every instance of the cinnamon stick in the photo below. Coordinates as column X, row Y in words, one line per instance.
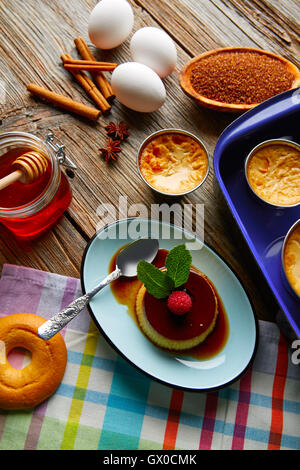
column 64, row 102
column 100, row 79
column 91, row 68
column 89, row 62
column 89, row 86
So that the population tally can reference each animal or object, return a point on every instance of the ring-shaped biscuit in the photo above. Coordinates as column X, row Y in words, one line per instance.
column 27, row 387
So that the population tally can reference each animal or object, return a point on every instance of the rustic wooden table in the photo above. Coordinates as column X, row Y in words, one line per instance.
column 33, row 36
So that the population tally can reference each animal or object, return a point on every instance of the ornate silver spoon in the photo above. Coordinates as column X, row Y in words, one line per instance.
column 126, row 265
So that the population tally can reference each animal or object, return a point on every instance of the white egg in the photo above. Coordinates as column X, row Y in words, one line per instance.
column 155, row 48
column 138, row 87
column 110, row 23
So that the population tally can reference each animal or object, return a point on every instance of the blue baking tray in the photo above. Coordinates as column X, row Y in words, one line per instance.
column 263, row 227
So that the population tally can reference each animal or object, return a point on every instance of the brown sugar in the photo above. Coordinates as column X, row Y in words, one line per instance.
column 241, row 77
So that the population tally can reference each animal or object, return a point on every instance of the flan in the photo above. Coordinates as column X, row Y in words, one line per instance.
column 173, row 163
column 291, row 259
column 273, row 173
column 182, row 332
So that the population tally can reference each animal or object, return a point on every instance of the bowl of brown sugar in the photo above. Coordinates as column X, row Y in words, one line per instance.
column 237, row 79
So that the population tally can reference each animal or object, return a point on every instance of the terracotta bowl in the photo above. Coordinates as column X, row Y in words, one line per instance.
column 185, row 83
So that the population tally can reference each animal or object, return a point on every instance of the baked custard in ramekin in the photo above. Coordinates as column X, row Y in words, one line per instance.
column 182, row 332
column 273, row 172
column 173, row 162
column 291, row 258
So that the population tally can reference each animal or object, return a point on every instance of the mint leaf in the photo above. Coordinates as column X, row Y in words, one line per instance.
column 156, row 281
column 178, row 263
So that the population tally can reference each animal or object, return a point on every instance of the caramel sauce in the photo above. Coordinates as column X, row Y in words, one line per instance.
column 125, row 291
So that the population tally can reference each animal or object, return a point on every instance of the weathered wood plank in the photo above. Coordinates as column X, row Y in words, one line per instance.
column 194, row 32
column 221, row 23
column 288, row 11
column 59, row 250
column 30, row 48
column 95, row 181
column 266, row 24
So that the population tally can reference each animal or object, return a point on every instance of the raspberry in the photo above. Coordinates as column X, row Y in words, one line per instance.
column 179, row 302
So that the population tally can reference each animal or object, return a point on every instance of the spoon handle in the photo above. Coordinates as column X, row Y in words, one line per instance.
column 61, row 319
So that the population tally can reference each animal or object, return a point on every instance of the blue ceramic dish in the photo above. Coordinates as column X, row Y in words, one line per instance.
column 263, row 227
column 122, row 332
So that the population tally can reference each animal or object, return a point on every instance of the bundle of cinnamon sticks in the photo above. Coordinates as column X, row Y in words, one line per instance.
column 99, row 89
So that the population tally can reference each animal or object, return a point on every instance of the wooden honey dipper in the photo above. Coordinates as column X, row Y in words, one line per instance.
column 28, row 168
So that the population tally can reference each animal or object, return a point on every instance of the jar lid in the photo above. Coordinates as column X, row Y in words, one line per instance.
column 59, row 151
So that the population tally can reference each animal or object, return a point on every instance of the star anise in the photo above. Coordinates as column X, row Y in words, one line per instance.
column 111, row 150
column 119, row 131
column 123, row 131
column 111, row 128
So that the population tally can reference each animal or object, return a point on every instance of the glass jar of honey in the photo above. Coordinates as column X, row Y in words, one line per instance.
column 30, row 209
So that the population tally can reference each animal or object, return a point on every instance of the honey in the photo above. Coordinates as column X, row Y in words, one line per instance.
column 27, row 210
column 19, row 194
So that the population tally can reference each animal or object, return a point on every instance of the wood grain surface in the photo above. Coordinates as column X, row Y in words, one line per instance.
column 32, row 41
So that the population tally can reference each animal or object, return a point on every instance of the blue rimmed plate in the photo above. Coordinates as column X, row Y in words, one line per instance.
column 122, row 332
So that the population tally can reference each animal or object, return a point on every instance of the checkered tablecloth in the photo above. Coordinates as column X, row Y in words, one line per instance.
column 105, row 403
